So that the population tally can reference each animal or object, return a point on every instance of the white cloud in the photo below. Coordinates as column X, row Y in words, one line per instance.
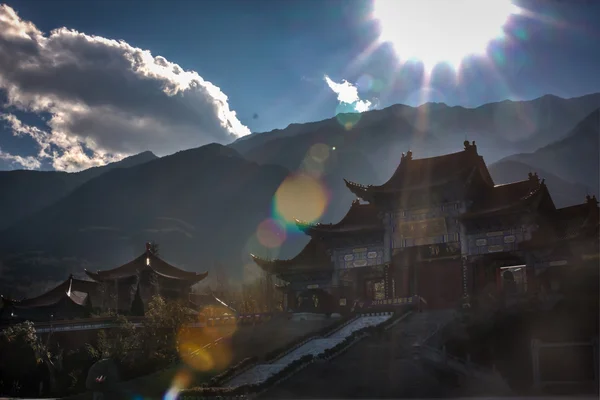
column 105, row 98
column 24, row 162
column 348, row 93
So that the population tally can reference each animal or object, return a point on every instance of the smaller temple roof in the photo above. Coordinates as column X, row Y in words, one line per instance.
column 510, row 197
column 57, row 304
column 416, row 174
column 568, row 223
column 147, row 261
column 75, row 287
column 360, row 218
column 313, row 257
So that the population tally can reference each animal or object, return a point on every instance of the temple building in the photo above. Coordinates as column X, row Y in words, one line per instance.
column 126, row 289
column 147, row 274
column 68, row 300
column 442, row 231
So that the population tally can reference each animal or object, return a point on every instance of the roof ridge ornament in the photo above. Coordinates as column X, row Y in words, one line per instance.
column 591, row 200
column 472, row 147
column 407, row 156
column 534, row 179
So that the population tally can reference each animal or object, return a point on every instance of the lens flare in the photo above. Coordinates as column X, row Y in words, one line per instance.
column 271, row 233
column 319, row 152
column 300, row 196
column 205, row 349
column 365, row 83
column 181, row 381
column 347, row 115
column 314, row 162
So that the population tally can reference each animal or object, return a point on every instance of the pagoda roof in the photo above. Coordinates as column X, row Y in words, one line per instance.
column 60, row 305
column 359, row 218
column 511, row 197
column 147, row 261
column 569, row 223
column 75, row 289
column 313, row 257
column 417, row 174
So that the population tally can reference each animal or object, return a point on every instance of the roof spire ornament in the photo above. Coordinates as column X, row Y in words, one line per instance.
column 591, row 200
column 470, row 146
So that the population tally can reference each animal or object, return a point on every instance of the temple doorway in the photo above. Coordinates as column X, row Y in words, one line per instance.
column 375, row 289
column 314, row 301
column 513, row 279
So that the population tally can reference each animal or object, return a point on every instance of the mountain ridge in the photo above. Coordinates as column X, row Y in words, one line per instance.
column 206, row 205
column 26, row 192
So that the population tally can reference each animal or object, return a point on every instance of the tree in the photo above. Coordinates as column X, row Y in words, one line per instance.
column 137, row 306
column 22, row 351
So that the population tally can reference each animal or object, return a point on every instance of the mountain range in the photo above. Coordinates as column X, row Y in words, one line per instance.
column 203, row 205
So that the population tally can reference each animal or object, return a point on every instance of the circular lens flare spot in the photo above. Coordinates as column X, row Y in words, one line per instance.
column 347, row 115
column 319, row 152
column 365, row 83
column 271, row 233
column 301, row 196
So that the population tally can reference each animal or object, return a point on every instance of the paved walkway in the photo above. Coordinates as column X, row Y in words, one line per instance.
column 261, row 372
column 377, row 367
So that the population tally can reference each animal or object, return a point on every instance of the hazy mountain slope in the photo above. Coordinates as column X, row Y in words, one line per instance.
column 25, row 192
column 500, row 129
column 200, row 205
column 576, row 158
column 563, row 193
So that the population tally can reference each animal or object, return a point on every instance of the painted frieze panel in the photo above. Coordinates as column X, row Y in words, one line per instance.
column 358, row 257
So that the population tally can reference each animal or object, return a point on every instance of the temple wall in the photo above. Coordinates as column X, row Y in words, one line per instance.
column 358, row 256
column 506, row 240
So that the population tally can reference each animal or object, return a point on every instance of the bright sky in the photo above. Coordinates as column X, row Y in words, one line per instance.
column 128, row 76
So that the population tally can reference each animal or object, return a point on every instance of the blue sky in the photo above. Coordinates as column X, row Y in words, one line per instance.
column 270, row 57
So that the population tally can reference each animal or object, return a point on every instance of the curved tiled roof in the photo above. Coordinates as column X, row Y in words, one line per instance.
column 359, row 218
column 568, row 223
column 415, row 174
column 147, row 261
column 511, row 197
column 71, row 285
column 313, row 257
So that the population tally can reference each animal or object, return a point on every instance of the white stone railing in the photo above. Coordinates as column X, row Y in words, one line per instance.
column 262, row 372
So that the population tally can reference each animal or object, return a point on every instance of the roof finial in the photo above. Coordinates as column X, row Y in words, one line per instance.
column 470, row 146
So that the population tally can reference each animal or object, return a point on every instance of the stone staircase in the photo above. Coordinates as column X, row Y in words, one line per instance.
column 381, row 366
column 261, row 372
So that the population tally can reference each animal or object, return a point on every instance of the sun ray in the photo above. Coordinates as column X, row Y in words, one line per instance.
column 441, row 31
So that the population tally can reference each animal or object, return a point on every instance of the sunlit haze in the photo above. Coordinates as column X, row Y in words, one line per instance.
column 439, row 30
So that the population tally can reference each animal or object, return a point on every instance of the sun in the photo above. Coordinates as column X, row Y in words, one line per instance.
column 435, row 31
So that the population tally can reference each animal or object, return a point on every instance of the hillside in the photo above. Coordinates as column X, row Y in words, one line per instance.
column 575, row 158
column 26, row 192
column 500, row 129
column 201, row 205
column 204, row 205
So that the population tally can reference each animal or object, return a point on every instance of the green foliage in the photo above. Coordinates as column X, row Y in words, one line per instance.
column 150, row 347
column 20, row 349
column 137, row 306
